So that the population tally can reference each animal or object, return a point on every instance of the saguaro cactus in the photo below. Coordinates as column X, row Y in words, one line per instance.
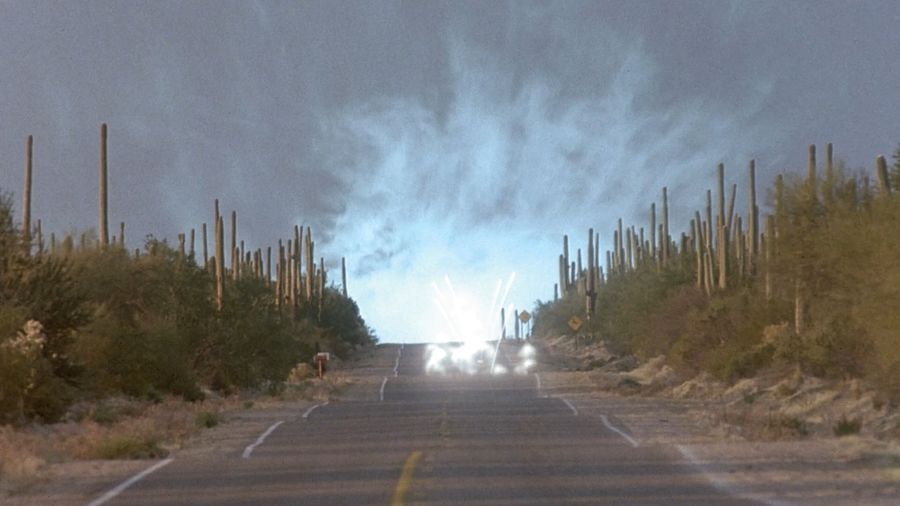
column 653, row 231
column 344, row 276
column 220, row 261
column 884, row 181
column 104, row 202
column 752, row 221
column 26, row 196
column 205, row 250
column 665, row 225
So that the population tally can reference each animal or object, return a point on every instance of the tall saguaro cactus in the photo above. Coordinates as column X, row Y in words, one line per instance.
column 752, row 220
column 665, row 225
column 26, row 196
column 104, row 201
column 344, row 276
column 220, row 260
column 884, row 180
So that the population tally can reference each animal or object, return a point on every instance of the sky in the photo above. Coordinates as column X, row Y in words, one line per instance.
column 432, row 143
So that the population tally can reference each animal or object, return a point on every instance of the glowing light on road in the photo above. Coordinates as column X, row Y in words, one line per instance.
column 467, row 336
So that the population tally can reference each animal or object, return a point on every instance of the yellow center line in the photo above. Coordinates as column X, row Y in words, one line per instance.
column 399, row 498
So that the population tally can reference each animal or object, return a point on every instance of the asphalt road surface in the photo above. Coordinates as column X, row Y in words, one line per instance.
column 445, row 439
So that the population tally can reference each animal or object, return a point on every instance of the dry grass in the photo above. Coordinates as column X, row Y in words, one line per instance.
column 123, row 428
column 129, row 429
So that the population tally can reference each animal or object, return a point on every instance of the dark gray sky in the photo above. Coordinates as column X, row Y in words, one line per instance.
column 426, row 139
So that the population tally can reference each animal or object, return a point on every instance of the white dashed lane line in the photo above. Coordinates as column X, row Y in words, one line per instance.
column 571, row 406
column 633, row 442
column 129, row 482
column 249, row 449
column 313, row 408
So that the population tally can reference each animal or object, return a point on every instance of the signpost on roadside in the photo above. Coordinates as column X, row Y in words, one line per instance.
column 575, row 323
column 525, row 317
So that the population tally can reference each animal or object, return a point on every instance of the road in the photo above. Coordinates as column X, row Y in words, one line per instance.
column 443, row 440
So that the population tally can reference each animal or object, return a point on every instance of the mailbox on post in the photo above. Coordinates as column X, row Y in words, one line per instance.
column 321, row 360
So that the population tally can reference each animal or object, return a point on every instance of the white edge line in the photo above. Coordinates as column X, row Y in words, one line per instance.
column 249, row 449
column 129, row 482
column 571, row 406
column 537, row 378
column 313, row 408
column 632, row 441
column 720, row 485
column 381, row 392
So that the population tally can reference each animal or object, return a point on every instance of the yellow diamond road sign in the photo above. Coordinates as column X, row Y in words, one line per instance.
column 524, row 316
column 575, row 323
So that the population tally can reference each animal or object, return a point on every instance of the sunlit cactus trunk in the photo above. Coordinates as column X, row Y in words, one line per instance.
column 310, row 264
column 26, row 196
column 653, row 252
column 39, row 238
column 698, row 246
column 205, row 247
column 565, row 281
column 665, row 225
column 752, row 222
column 591, row 293
column 104, row 201
column 344, row 276
column 722, row 232
column 268, row 265
column 811, row 170
column 884, row 181
column 234, row 248
column 181, row 245
column 220, row 260
column 770, row 255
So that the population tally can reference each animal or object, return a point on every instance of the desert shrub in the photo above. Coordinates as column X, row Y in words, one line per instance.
column 130, row 447
column 847, row 426
column 207, row 419
column 28, row 387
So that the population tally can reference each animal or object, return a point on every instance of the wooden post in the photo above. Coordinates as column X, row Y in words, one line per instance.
column 104, row 202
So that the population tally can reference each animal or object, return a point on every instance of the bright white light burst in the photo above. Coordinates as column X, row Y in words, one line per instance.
column 466, row 341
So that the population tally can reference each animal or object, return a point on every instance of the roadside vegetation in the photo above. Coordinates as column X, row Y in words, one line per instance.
column 90, row 323
column 830, row 310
